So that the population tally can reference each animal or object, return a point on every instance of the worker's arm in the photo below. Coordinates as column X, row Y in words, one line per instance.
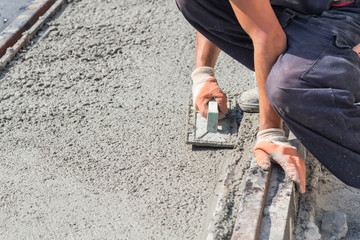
column 207, row 53
column 205, row 85
column 259, row 20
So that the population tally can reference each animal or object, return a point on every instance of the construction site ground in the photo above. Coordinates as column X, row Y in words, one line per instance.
column 92, row 131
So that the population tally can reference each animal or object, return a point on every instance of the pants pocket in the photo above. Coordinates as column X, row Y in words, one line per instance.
column 338, row 67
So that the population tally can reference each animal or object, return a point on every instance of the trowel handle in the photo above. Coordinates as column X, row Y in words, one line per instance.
column 212, row 116
column 213, row 105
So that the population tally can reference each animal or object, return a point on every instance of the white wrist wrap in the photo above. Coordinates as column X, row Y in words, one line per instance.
column 199, row 77
column 274, row 135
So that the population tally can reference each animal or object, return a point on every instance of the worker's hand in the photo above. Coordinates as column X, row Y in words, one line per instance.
column 273, row 146
column 205, row 88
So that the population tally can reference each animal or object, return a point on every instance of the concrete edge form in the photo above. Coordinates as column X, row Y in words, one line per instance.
column 220, row 208
column 223, row 205
column 24, row 27
column 281, row 203
column 273, row 218
column 248, row 221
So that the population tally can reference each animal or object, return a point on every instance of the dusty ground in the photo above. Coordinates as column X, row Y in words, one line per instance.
column 92, row 126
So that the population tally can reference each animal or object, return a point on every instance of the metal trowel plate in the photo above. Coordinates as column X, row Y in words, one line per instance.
column 227, row 133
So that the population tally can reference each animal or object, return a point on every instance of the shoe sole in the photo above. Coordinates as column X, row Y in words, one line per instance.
column 249, row 107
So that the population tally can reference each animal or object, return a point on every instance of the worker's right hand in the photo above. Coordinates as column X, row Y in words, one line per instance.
column 273, row 146
column 205, row 88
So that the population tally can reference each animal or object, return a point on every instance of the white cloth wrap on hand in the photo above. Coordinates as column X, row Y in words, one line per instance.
column 199, row 77
column 274, row 135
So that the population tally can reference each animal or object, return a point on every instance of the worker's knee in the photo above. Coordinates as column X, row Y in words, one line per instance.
column 282, row 88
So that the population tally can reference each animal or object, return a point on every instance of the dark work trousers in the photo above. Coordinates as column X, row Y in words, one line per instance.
column 315, row 83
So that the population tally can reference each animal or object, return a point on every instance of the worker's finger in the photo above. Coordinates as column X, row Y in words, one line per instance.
column 222, row 103
column 294, row 168
column 262, row 158
column 286, row 164
column 204, row 108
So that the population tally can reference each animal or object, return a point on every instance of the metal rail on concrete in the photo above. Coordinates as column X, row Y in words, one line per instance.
column 268, row 206
column 25, row 26
column 248, row 221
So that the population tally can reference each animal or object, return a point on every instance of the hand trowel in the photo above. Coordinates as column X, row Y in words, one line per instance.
column 211, row 131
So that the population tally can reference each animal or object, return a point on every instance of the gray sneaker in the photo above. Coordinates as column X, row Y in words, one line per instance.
column 249, row 101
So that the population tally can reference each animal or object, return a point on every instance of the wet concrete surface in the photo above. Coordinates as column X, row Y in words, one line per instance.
column 92, row 127
column 9, row 9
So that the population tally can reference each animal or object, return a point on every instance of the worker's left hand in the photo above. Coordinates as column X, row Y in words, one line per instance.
column 273, row 146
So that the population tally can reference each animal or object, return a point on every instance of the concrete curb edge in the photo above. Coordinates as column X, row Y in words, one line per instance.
column 24, row 27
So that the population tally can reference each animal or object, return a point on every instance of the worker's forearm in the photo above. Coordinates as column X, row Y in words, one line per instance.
column 206, row 52
column 259, row 20
column 266, row 53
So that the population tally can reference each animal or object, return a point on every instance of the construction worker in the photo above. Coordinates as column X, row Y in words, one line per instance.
column 304, row 54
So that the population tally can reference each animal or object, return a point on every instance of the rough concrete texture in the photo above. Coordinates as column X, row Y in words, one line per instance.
column 92, row 127
column 251, row 208
column 279, row 211
column 325, row 193
column 224, row 206
column 334, row 225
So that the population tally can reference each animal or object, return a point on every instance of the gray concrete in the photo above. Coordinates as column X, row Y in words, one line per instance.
column 92, row 127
